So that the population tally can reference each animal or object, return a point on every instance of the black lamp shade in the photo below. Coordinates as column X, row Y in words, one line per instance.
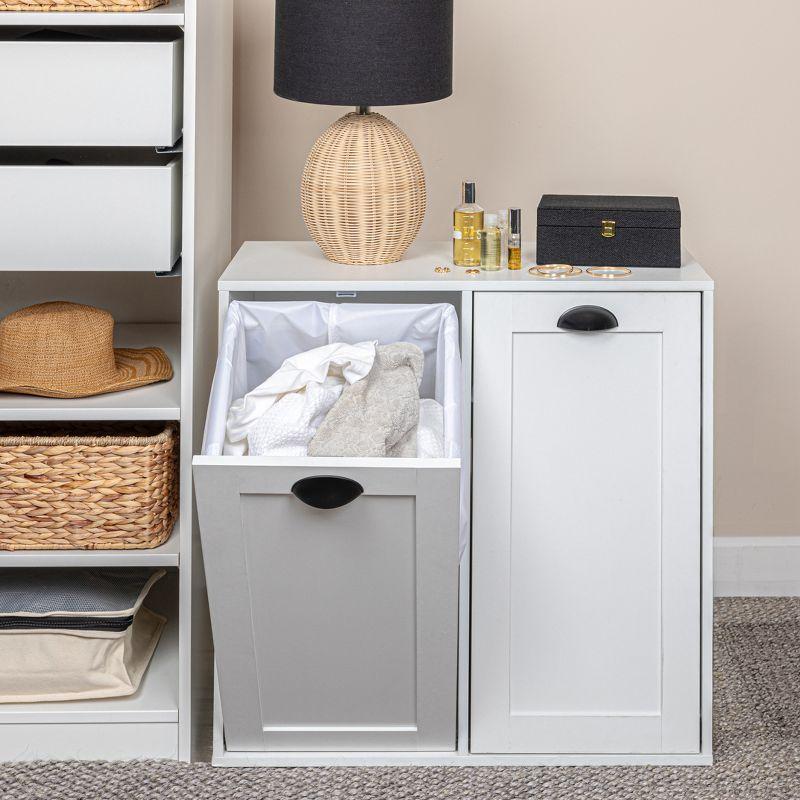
column 364, row 52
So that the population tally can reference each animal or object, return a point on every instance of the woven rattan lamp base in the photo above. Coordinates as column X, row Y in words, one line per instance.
column 363, row 191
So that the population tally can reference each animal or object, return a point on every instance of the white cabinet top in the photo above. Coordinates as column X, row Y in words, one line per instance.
column 300, row 266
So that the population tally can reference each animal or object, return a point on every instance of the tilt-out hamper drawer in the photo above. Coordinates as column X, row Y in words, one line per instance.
column 332, row 582
column 586, row 546
column 334, row 629
column 90, row 210
column 91, row 87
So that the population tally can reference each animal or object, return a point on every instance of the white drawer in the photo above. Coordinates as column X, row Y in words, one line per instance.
column 114, row 211
column 84, row 90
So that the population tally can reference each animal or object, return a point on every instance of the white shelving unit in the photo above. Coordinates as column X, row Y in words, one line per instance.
column 158, row 721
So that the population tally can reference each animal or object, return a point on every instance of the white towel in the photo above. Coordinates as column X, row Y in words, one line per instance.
column 276, row 427
column 287, row 427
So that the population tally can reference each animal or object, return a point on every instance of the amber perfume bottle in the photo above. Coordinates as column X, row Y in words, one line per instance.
column 467, row 222
column 515, row 238
column 491, row 239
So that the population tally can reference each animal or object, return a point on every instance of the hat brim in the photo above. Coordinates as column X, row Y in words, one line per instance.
column 134, row 368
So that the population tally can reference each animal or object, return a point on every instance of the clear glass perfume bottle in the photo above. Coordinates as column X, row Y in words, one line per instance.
column 515, row 238
column 502, row 223
column 467, row 221
column 491, row 244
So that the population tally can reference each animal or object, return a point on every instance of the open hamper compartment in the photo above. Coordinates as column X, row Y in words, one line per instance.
column 334, row 629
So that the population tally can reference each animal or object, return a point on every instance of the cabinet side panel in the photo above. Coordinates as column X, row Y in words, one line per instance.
column 208, row 136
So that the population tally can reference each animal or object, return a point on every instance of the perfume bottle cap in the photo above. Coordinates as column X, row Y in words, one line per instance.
column 515, row 220
column 490, row 220
column 468, row 191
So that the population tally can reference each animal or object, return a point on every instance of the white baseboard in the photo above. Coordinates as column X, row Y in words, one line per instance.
column 757, row 566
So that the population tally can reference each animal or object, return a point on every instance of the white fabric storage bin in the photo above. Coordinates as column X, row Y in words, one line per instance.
column 95, row 87
column 75, row 634
column 114, row 210
column 334, row 628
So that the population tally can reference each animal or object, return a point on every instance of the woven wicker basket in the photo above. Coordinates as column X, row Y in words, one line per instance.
column 363, row 191
column 74, row 488
column 79, row 5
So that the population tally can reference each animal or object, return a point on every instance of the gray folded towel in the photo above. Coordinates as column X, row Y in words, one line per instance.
column 378, row 415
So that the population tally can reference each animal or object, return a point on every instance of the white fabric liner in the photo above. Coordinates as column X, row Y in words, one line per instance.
column 53, row 665
column 430, row 431
column 257, row 337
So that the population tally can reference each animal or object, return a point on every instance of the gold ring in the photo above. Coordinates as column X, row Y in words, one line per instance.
column 555, row 271
column 608, row 272
column 441, row 270
column 472, row 271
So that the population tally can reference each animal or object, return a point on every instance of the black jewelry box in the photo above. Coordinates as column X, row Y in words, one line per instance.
column 608, row 231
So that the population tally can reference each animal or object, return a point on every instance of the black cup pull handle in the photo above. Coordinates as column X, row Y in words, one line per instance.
column 327, row 491
column 587, row 318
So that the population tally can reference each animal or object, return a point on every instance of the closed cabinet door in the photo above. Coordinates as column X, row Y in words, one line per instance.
column 586, row 523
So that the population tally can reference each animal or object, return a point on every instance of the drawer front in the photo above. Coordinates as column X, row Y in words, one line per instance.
column 90, row 93
column 586, row 523
column 90, row 217
column 335, row 629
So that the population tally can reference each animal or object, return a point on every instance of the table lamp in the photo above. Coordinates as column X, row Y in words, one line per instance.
column 363, row 188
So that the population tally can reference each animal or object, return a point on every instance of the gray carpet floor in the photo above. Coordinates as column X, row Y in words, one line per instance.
column 756, row 738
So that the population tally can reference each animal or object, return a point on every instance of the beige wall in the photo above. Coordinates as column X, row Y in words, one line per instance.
column 696, row 98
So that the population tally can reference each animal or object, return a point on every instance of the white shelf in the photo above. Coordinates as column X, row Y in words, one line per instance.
column 159, row 401
column 156, row 700
column 168, row 555
column 170, row 14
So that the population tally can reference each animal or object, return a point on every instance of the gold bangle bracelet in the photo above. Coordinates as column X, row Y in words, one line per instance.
column 554, row 271
column 608, row 272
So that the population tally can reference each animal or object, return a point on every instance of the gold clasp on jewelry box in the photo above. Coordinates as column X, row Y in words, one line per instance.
column 609, row 230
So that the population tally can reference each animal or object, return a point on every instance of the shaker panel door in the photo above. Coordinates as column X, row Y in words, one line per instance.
column 335, row 628
column 586, row 525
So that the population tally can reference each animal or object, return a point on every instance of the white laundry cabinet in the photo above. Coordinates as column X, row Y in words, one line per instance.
column 584, row 591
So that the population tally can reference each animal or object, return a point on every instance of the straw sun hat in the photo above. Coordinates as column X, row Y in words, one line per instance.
column 67, row 350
